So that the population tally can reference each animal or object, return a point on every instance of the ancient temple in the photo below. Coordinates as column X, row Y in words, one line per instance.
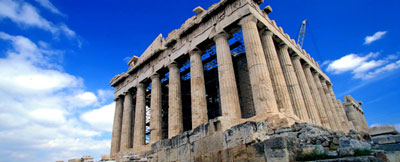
column 229, row 63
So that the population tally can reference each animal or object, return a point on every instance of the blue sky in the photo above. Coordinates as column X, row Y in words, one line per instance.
column 57, row 58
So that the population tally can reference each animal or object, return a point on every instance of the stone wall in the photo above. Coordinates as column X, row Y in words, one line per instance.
column 255, row 141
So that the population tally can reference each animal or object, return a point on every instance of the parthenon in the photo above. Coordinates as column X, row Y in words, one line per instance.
column 230, row 63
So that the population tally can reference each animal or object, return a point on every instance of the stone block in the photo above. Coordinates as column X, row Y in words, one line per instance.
column 382, row 130
column 172, row 154
column 159, row 145
column 283, row 130
column 347, row 151
column 239, row 153
column 393, row 156
column 307, row 149
column 381, row 155
column 388, row 147
column 199, row 132
column 245, row 133
column 180, row 140
column 255, row 152
column 184, row 152
column 391, row 139
column 332, row 153
column 198, row 148
column 215, row 142
column 281, row 149
column 225, row 155
column 215, row 156
column 346, row 142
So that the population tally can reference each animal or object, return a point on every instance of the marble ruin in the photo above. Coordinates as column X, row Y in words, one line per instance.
column 230, row 63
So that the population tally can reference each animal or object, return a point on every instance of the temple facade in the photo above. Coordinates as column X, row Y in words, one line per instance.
column 229, row 63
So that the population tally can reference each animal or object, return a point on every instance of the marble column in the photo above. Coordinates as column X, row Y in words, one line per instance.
column 175, row 121
column 197, row 89
column 155, row 109
column 292, row 83
column 352, row 116
column 331, row 105
column 348, row 123
column 230, row 106
column 261, row 84
column 316, row 96
column 126, row 130
column 326, row 106
column 339, row 111
column 275, row 70
column 116, row 133
column 139, row 137
column 305, row 90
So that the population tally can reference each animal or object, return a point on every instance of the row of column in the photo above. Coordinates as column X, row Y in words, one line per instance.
column 279, row 82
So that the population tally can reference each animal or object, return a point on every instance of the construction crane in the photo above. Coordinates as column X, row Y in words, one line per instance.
column 302, row 33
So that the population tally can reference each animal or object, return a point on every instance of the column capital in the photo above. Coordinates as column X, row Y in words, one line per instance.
column 154, row 76
column 315, row 73
column 247, row 19
column 173, row 65
column 306, row 66
column 195, row 52
column 125, row 93
column 140, row 85
column 295, row 57
column 221, row 35
column 266, row 32
column 283, row 46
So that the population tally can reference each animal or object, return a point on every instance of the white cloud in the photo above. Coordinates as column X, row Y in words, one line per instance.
column 48, row 5
column 102, row 118
column 105, row 94
column 387, row 68
column 85, row 99
column 25, row 14
column 364, row 67
column 38, row 119
column 378, row 35
column 348, row 62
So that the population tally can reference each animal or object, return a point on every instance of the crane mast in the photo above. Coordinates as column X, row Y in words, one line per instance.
column 302, row 33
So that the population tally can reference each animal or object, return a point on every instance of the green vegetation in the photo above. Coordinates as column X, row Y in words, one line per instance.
column 362, row 152
column 314, row 155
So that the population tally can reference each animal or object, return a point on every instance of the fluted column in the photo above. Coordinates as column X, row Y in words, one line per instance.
column 230, row 106
column 339, row 111
column 331, row 105
column 197, row 89
column 261, row 84
column 126, row 130
column 346, row 119
column 305, row 90
column 175, row 125
column 155, row 109
column 352, row 116
column 364, row 122
column 275, row 70
column 326, row 106
column 116, row 133
column 292, row 83
column 317, row 98
column 140, row 117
